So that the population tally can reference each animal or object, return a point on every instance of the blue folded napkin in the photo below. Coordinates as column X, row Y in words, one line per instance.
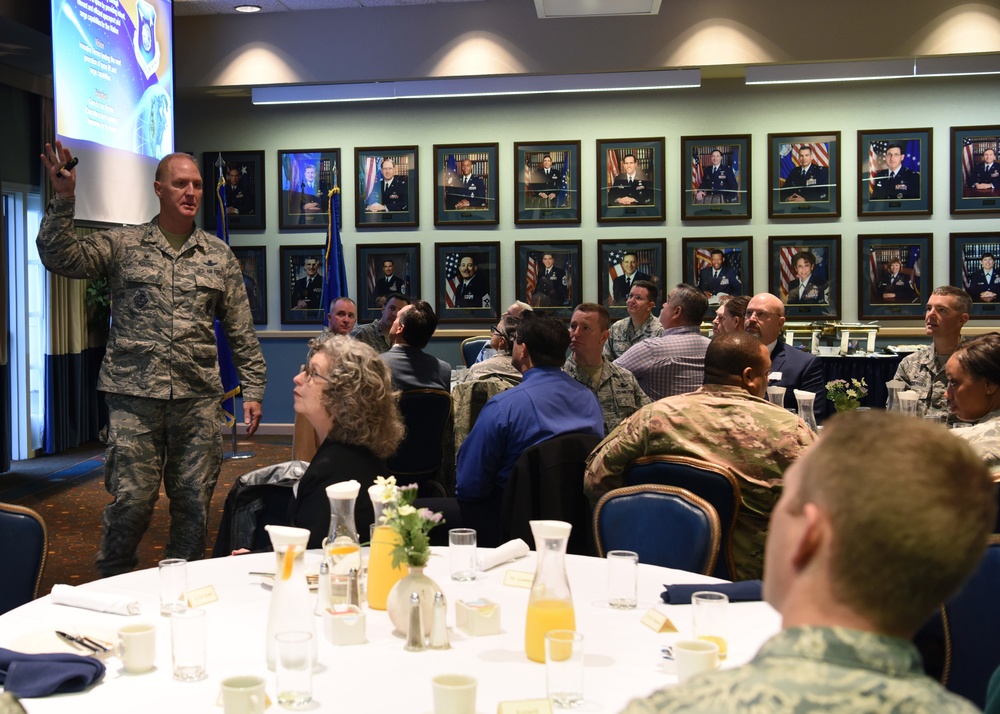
column 39, row 675
column 743, row 591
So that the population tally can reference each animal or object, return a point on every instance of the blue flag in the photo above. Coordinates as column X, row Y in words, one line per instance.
column 335, row 273
column 227, row 369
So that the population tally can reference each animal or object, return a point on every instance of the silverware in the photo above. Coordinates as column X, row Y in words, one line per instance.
column 79, row 642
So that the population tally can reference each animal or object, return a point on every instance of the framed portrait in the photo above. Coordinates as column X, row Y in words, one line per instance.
column 467, row 282
column 547, row 182
column 630, row 180
column 549, row 275
column 387, row 187
column 243, row 188
column 895, row 168
column 715, row 174
column 621, row 263
column 804, row 175
column 805, row 273
column 719, row 267
column 383, row 269
column 466, row 190
column 305, row 180
column 253, row 263
column 302, row 284
column 892, row 284
column 975, row 259
column 975, row 174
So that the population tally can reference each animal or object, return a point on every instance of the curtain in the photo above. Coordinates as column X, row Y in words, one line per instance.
column 5, row 445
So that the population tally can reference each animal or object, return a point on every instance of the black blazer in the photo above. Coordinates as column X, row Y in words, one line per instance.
column 799, row 370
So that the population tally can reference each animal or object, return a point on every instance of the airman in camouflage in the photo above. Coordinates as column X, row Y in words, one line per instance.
column 984, row 437
column 725, row 422
column 639, row 325
column 169, row 281
column 375, row 334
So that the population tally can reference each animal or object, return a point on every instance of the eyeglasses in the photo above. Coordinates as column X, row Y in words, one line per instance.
column 761, row 314
column 500, row 333
column 637, row 298
column 310, row 373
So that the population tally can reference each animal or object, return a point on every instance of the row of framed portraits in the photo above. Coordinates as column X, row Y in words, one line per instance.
column 804, row 271
column 893, row 177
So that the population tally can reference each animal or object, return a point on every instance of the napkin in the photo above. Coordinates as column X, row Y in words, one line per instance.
column 743, row 591
column 39, row 675
column 511, row 550
column 91, row 600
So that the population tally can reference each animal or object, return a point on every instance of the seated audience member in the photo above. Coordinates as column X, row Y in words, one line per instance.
column 673, row 363
column 726, row 422
column 376, row 333
column 729, row 316
column 923, row 371
column 515, row 310
column 501, row 341
column 345, row 391
column 790, row 368
column 639, row 325
column 616, row 389
column 858, row 557
column 340, row 321
column 411, row 367
column 973, row 394
column 547, row 403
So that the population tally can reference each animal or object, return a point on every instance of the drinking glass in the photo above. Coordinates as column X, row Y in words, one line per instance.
column 293, row 668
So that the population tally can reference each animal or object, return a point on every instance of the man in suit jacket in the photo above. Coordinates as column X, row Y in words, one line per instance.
column 807, row 181
column 623, row 283
column 389, row 282
column 467, row 191
column 392, row 191
column 985, row 176
column 790, row 368
column 550, row 288
column 985, row 284
column 895, row 181
column 806, row 289
column 545, row 184
column 895, row 285
column 411, row 367
column 719, row 278
column 632, row 186
column 718, row 183
column 307, row 293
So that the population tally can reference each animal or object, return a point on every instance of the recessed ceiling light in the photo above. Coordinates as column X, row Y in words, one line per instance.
column 248, row 8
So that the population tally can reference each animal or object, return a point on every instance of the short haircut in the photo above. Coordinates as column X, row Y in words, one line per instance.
column 546, row 339
column 963, row 298
column 728, row 355
column 508, row 330
column 805, row 148
column 737, row 306
column 396, row 296
column 906, row 537
column 161, row 168
column 344, row 298
column 358, row 394
column 603, row 316
column 715, row 151
column 387, row 260
column 986, row 255
column 627, row 253
column 390, row 161
column 418, row 324
column 692, row 302
column 806, row 255
column 471, row 257
column 718, row 251
column 629, row 156
column 980, row 357
column 654, row 292
column 894, row 146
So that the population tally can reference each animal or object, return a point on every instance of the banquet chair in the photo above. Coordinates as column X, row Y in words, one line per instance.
column 547, row 483
column 419, row 458
column 22, row 559
column 258, row 498
column 715, row 483
column 468, row 399
column 471, row 347
column 665, row 525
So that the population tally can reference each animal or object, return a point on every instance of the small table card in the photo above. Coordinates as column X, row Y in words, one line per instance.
column 201, row 596
column 658, row 622
column 518, row 578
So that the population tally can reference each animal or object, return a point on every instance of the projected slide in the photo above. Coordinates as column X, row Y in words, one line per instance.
column 114, row 73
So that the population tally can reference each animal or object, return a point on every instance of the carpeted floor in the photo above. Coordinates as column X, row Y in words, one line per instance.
column 68, row 491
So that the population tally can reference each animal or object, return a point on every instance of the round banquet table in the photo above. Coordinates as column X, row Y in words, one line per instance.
column 622, row 656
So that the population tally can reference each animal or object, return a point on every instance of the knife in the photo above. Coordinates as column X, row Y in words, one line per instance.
column 78, row 642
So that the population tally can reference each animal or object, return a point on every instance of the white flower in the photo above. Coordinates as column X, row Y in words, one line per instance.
column 406, row 510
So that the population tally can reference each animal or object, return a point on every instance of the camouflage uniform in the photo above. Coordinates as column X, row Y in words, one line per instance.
column 371, row 335
column 498, row 365
column 623, row 335
column 984, row 437
column 161, row 371
column 814, row 669
column 720, row 424
column 922, row 374
column 617, row 391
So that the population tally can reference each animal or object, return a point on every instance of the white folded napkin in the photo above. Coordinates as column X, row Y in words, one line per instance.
column 511, row 550
column 91, row 600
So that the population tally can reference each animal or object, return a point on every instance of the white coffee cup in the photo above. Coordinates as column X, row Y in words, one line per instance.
column 454, row 694
column 243, row 695
column 137, row 647
column 694, row 657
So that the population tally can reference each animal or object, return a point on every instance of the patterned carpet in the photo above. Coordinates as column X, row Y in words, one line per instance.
column 68, row 491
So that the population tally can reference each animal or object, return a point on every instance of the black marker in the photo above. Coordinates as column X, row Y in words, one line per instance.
column 69, row 165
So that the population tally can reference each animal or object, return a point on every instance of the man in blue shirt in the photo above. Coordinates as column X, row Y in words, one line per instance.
column 547, row 403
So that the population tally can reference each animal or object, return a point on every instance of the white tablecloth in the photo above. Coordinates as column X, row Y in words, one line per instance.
column 622, row 658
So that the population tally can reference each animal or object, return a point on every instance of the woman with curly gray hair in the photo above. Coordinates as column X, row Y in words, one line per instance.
column 345, row 391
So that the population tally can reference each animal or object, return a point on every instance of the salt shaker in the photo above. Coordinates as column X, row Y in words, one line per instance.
column 323, row 594
column 353, row 588
column 439, row 628
column 415, row 636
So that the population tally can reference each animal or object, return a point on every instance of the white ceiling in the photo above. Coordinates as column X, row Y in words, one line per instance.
column 227, row 7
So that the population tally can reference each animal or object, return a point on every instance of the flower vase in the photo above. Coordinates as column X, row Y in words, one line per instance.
column 846, row 405
column 398, row 605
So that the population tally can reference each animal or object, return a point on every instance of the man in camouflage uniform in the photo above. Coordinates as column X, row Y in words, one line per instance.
column 639, row 325
column 923, row 371
column 616, row 389
column 726, row 422
column 376, row 333
column 858, row 557
column 169, row 282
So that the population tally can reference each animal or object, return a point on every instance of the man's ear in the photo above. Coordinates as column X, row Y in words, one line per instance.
column 812, row 536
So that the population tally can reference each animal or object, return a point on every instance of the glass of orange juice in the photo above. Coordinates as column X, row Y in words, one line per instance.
column 709, row 618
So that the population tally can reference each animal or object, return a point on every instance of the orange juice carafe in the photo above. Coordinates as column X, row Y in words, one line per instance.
column 550, row 605
column 381, row 575
column 342, row 548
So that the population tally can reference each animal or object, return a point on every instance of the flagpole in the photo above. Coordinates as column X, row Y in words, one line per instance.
column 235, row 455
